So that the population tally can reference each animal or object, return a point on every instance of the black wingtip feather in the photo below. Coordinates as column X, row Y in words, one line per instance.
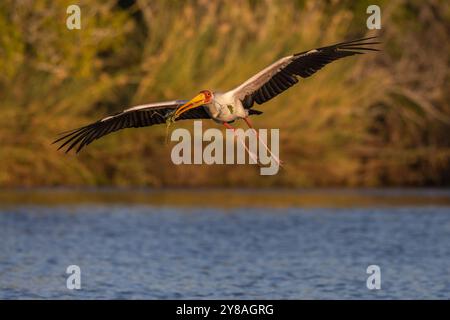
column 79, row 138
column 362, row 49
column 354, row 41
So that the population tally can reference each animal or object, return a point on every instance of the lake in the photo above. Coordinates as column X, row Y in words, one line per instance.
column 177, row 244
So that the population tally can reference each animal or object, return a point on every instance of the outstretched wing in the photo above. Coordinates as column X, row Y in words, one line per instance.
column 135, row 117
column 284, row 73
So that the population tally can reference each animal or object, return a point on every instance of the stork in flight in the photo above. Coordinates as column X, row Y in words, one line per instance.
column 223, row 108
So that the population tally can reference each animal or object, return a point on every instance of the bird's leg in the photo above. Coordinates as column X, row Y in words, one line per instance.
column 277, row 160
column 251, row 154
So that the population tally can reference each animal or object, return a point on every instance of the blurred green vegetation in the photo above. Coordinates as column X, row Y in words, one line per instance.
column 375, row 120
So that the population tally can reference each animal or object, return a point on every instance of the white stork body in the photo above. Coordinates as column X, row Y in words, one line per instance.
column 225, row 107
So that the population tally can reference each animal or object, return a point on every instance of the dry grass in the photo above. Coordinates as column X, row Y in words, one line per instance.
column 373, row 120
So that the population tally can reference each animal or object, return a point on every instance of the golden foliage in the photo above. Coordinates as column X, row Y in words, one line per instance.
column 373, row 120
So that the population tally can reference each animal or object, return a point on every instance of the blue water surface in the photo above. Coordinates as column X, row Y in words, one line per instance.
column 147, row 252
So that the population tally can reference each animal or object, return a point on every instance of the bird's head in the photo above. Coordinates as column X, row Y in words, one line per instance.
column 204, row 97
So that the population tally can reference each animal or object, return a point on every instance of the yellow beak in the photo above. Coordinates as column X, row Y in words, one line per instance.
column 197, row 101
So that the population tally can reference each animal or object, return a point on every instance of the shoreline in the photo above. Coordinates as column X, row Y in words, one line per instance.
column 225, row 198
